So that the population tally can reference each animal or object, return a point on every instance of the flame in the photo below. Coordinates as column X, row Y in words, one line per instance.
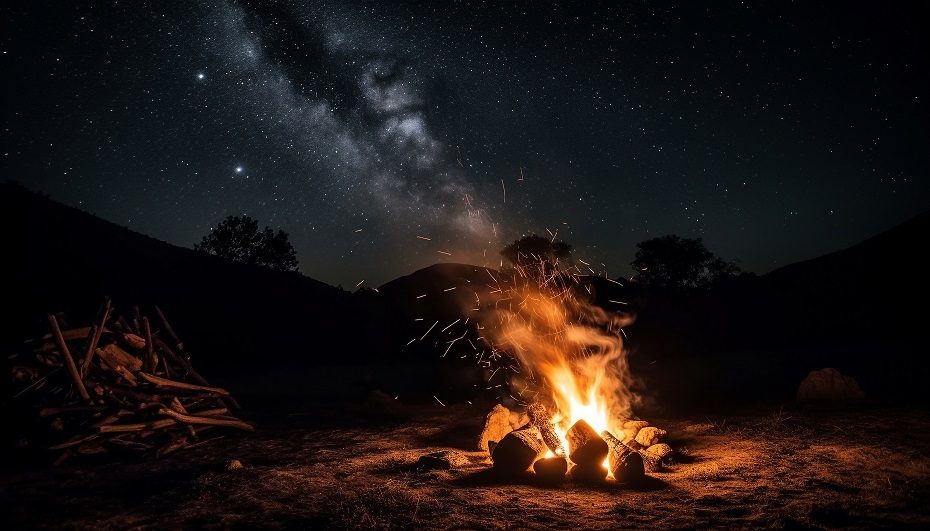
column 570, row 351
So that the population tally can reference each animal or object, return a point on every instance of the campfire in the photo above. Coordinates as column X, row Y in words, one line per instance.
column 567, row 368
column 119, row 385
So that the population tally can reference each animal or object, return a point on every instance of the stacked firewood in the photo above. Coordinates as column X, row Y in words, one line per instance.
column 513, row 450
column 123, row 384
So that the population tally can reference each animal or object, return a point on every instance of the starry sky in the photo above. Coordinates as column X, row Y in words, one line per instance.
column 387, row 136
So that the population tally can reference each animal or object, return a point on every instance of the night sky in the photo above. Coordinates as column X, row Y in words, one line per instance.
column 776, row 131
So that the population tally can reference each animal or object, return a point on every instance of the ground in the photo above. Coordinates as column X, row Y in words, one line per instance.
column 356, row 468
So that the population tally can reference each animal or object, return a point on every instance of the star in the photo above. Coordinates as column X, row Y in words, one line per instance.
column 200, row 76
column 238, row 169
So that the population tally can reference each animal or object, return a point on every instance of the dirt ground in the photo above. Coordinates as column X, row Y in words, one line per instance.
column 865, row 468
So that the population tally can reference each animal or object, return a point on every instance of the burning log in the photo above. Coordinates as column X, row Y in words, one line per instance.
column 624, row 463
column 585, row 446
column 551, row 470
column 589, row 473
column 541, row 418
column 518, row 450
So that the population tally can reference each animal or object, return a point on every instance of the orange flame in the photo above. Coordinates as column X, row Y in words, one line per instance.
column 570, row 350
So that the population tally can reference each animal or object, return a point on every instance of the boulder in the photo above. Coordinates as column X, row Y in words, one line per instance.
column 829, row 385
column 499, row 422
column 650, row 435
column 658, row 452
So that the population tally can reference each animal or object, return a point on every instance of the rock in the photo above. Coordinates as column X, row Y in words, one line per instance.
column 518, row 450
column 551, row 470
column 499, row 422
column 629, row 429
column 234, row 464
column 442, row 460
column 829, row 385
column 649, row 436
column 658, row 452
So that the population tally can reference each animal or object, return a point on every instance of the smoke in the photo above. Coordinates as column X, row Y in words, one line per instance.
column 570, row 351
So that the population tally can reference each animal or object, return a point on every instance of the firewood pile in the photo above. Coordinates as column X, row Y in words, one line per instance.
column 516, row 442
column 120, row 385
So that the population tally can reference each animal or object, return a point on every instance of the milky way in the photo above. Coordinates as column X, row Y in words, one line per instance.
column 388, row 136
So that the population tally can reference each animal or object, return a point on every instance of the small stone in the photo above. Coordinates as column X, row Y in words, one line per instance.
column 441, row 460
column 629, row 429
column 829, row 385
column 649, row 436
column 234, row 464
column 659, row 452
column 499, row 422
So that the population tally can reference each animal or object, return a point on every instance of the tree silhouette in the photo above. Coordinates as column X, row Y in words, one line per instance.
column 672, row 262
column 240, row 240
column 530, row 249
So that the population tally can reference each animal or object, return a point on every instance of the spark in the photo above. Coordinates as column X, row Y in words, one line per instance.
column 447, row 253
column 360, row 282
column 421, row 296
column 504, row 189
column 358, row 230
column 440, row 401
column 450, row 289
column 428, row 331
column 617, row 302
column 521, row 174
column 450, row 325
column 424, row 238
column 411, row 341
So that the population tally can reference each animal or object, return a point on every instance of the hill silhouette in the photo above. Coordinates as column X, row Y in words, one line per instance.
column 277, row 332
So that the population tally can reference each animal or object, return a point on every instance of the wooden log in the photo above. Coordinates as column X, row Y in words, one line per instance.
column 585, row 446
column 589, row 473
column 134, row 341
column 624, row 463
column 181, row 360
column 191, row 419
column 518, row 450
column 69, row 361
column 176, row 405
column 136, row 320
column 551, row 470
column 115, row 356
column 73, row 442
column 541, row 418
column 98, row 332
column 171, row 446
column 150, row 361
column 137, row 426
column 167, row 325
column 172, row 384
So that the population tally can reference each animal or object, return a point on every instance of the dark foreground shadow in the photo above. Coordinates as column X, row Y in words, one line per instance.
column 491, row 477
